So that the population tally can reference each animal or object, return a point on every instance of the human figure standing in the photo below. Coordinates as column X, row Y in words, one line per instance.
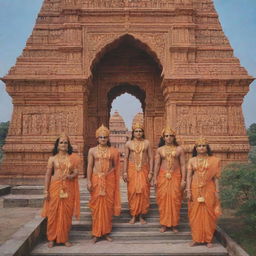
column 61, row 192
column 203, row 193
column 169, row 179
column 138, row 172
column 103, row 177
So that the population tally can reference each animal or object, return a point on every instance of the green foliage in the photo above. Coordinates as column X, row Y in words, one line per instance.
column 238, row 191
column 252, row 154
column 3, row 133
column 251, row 132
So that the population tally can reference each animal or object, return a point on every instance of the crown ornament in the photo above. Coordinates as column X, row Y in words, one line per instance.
column 168, row 130
column 102, row 130
column 137, row 125
column 201, row 141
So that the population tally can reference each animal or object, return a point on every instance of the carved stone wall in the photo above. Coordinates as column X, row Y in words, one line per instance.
column 170, row 54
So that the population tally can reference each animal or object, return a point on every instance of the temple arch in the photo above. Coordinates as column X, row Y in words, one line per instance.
column 125, row 65
column 115, row 41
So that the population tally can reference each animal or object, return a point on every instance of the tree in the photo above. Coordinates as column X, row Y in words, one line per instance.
column 238, row 191
column 251, row 132
column 3, row 133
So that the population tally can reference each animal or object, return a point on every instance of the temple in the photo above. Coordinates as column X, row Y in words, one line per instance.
column 172, row 55
column 119, row 134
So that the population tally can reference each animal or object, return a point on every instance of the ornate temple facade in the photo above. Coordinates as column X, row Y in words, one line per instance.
column 119, row 134
column 170, row 54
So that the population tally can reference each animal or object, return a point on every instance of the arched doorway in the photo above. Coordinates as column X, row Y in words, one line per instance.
column 129, row 66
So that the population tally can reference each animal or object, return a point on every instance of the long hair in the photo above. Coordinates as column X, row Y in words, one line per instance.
column 143, row 136
column 162, row 142
column 55, row 150
column 209, row 151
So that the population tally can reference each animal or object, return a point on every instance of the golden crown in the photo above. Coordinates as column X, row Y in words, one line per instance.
column 201, row 141
column 137, row 126
column 168, row 130
column 102, row 130
column 63, row 136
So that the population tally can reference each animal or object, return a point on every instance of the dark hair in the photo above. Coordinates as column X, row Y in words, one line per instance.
column 55, row 150
column 162, row 142
column 143, row 136
column 108, row 143
column 209, row 151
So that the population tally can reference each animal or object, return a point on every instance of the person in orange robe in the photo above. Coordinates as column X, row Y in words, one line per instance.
column 138, row 172
column 169, row 179
column 103, row 178
column 62, row 198
column 203, row 193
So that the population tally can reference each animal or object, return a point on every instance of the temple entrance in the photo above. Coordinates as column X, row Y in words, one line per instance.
column 120, row 105
column 126, row 66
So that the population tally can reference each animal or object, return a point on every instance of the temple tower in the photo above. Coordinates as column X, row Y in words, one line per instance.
column 170, row 54
column 119, row 134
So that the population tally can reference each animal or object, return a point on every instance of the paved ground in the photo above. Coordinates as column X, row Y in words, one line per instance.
column 11, row 219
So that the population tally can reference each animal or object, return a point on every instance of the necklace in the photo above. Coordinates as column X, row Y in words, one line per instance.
column 104, row 156
column 169, row 154
column 64, row 165
column 138, row 147
column 202, row 165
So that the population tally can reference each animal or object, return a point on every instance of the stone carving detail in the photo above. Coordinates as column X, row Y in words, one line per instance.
column 202, row 120
column 129, row 3
column 211, row 37
column 49, row 123
column 236, row 121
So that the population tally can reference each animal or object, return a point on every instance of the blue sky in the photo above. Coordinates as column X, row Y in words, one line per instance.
column 238, row 19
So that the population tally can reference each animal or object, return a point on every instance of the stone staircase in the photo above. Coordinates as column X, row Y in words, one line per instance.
column 24, row 196
column 129, row 239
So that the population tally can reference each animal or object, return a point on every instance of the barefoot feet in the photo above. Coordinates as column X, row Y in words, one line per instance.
column 209, row 245
column 175, row 230
column 132, row 220
column 95, row 239
column 192, row 244
column 142, row 221
column 50, row 244
column 163, row 229
column 68, row 244
column 108, row 238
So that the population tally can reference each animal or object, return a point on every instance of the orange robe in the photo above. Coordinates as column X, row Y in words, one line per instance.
column 169, row 197
column 138, row 189
column 105, row 197
column 203, row 216
column 59, row 211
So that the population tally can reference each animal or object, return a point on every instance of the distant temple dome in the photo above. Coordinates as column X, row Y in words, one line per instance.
column 118, row 132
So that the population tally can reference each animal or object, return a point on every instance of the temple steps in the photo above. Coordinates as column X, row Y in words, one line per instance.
column 148, row 247
column 150, row 226
column 129, row 239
